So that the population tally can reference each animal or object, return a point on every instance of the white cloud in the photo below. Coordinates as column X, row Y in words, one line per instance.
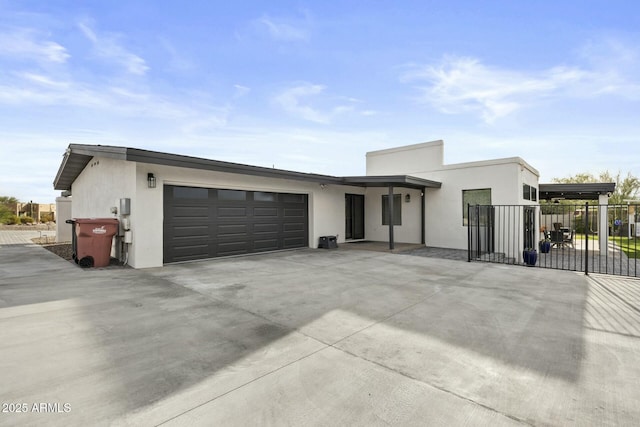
column 283, row 31
column 465, row 84
column 241, row 91
column 616, row 68
column 45, row 80
column 33, row 89
column 289, row 100
column 30, row 44
column 108, row 47
column 296, row 101
column 177, row 59
column 459, row 84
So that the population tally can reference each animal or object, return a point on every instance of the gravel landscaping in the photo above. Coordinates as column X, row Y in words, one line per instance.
column 63, row 250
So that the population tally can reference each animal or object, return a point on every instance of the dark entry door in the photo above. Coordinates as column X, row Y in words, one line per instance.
column 354, row 214
column 211, row 222
column 529, row 227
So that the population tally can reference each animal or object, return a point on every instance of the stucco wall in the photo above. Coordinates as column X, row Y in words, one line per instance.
column 443, row 210
column 326, row 205
column 411, row 228
column 99, row 185
column 104, row 181
column 63, row 213
column 406, row 160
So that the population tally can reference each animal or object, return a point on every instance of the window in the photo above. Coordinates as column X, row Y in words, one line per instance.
column 474, row 197
column 264, row 197
column 397, row 209
column 232, row 195
column 190, row 193
column 529, row 193
column 294, row 198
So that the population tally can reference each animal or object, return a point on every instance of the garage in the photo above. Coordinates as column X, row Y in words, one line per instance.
column 204, row 223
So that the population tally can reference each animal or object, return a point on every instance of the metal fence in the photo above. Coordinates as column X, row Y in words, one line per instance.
column 588, row 238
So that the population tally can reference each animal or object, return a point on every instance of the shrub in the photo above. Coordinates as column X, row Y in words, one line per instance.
column 26, row 220
column 46, row 217
column 5, row 215
column 13, row 219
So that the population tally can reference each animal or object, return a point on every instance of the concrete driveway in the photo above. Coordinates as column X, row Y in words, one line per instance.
column 315, row 337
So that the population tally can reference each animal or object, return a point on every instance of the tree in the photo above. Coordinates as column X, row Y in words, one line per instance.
column 626, row 188
column 7, row 208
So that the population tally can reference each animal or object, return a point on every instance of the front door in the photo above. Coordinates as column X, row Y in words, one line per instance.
column 354, row 215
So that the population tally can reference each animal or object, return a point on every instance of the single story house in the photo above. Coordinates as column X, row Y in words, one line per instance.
column 185, row 208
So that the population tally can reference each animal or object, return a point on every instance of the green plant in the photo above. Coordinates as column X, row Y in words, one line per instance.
column 46, row 217
column 5, row 215
column 13, row 219
column 26, row 220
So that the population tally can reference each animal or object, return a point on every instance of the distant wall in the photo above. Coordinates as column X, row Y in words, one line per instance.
column 63, row 211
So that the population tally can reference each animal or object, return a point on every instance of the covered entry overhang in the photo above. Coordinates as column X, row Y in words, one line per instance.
column 391, row 182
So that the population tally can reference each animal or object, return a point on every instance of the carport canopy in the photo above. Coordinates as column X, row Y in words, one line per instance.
column 584, row 191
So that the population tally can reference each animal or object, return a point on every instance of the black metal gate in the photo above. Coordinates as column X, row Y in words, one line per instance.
column 588, row 238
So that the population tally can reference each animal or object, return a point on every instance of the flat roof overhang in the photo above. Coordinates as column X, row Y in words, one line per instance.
column 586, row 191
column 77, row 156
column 405, row 181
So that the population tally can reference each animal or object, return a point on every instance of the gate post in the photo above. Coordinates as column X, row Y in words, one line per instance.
column 478, row 247
column 469, row 232
column 603, row 223
column 586, row 238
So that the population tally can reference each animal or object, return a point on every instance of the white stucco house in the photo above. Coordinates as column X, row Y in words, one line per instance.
column 185, row 208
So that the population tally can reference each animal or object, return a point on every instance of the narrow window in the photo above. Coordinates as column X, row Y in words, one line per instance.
column 264, row 197
column 397, row 209
column 190, row 193
column 526, row 192
column 232, row 195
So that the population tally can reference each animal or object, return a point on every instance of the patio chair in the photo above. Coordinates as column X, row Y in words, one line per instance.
column 567, row 238
column 557, row 238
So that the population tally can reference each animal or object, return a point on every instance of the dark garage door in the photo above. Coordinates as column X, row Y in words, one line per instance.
column 207, row 222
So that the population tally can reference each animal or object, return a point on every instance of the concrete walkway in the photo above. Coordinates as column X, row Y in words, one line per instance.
column 21, row 237
column 316, row 337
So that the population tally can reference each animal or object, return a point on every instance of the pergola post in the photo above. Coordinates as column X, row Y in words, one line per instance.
column 390, row 211
column 603, row 226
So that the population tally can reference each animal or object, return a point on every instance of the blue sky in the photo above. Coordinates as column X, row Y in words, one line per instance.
column 312, row 86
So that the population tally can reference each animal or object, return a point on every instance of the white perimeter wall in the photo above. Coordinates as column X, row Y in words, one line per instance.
column 63, row 213
column 98, row 186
